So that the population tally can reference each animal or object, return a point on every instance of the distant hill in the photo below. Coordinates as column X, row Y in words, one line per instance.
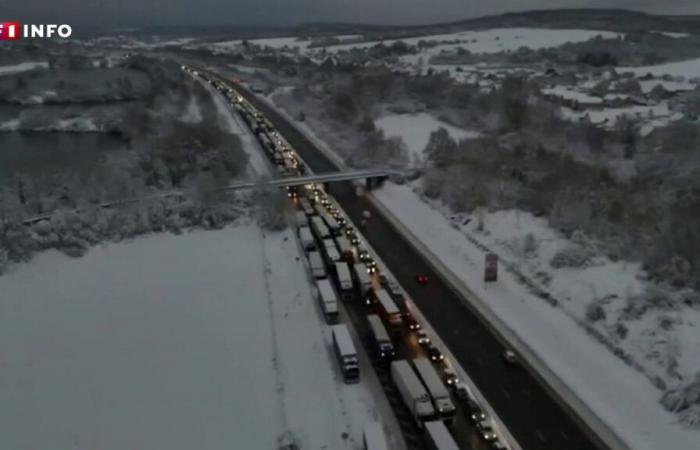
column 598, row 19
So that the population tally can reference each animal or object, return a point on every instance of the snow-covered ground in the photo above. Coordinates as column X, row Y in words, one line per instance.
column 611, row 388
column 492, row 41
column 686, row 70
column 208, row 340
column 23, row 67
column 608, row 117
column 415, row 130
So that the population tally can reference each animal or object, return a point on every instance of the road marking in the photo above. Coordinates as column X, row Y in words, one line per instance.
column 540, row 436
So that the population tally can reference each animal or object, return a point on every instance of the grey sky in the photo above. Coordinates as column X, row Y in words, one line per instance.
column 205, row 12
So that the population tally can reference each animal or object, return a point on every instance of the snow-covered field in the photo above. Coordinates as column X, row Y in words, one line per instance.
column 494, row 40
column 686, row 70
column 207, row 340
column 23, row 67
column 611, row 388
column 415, row 130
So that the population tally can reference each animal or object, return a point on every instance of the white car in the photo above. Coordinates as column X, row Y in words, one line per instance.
column 423, row 338
column 510, row 357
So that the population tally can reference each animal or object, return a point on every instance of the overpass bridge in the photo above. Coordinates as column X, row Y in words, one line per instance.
column 373, row 178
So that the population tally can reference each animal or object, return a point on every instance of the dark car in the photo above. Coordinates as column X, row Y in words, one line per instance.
column 411, row 322
column 477, row 415
column 422, row 279
column 435, row 354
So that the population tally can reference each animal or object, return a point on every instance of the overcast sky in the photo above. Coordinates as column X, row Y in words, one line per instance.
column 206, row 12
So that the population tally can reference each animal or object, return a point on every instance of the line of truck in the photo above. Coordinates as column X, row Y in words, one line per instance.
column 342, row 265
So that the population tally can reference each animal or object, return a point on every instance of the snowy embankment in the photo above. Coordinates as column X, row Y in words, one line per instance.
column 208, row 340
column 231, row 122
column 23, row 67
column 619, row 394
column 73, row 125
column 415, row 131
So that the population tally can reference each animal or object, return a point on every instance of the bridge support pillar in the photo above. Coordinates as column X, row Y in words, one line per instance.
column 374, row 182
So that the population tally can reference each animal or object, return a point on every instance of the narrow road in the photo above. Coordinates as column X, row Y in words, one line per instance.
column 533, row 416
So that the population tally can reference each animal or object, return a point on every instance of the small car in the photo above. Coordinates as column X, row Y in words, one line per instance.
column 449, row 376
column 477, row 414
column 435, row 354
column 498, row 445
column 486, row 431
column 463, row 393
column 423, row 338
column 411, row 322
column 510, row 357
column 422, row 279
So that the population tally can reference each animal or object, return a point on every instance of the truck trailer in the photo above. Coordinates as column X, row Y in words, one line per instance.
column 413, row 394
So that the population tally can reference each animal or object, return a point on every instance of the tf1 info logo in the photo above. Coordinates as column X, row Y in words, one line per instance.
column 12, row 31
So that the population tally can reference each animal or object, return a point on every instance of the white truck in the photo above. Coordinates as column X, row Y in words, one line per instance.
column 300, row 219
column 331, row 251
column 363, row 283
column 437, row 437
column 328, row 301
column 319, row 228
column 344, row 280
column 318, row 270
column 307, row 239
column 345, row 249
column 436, row 389
column 346, row 354
column 413, row 394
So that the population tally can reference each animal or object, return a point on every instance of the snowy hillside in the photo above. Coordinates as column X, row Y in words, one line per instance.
column 207, row 340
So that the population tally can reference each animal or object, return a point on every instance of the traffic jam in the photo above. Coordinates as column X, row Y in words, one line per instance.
column 345, row 271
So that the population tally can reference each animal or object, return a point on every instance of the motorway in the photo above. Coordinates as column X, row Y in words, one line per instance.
column 533, row 416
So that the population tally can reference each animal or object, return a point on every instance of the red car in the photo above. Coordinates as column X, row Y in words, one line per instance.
column 422, row 279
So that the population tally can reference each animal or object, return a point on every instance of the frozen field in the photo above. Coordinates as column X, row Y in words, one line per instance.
column 610, row 387
column 415, row 130
column 207, row 340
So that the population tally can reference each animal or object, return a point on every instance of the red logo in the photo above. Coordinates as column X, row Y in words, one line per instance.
column 10, row 31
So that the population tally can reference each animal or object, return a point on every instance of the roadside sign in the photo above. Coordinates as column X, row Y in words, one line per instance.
column 491, row 267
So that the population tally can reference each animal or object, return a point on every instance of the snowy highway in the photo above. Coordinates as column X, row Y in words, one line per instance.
column 533, row 415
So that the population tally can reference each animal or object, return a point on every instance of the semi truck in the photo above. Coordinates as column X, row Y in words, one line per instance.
column 328, row 301
column 307, row 239
column 319, row 228
column 413, row 394
column 318, row 270
column 388, row 311
column 363, row 283
column 345, row 249
column 437, row 437
column 383, row 347
column 346, row 354
column 344, row 280
column 444, row 407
